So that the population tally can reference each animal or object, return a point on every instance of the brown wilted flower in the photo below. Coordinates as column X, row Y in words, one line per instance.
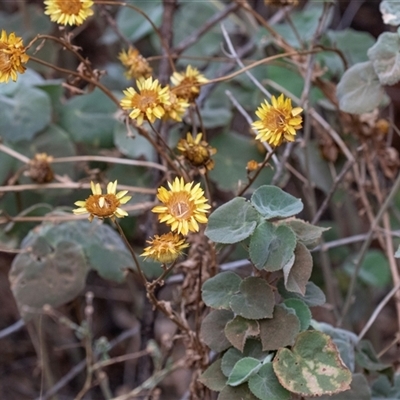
column 252, row 165
column 137, row 66
column 40, row 170
column 198, row 152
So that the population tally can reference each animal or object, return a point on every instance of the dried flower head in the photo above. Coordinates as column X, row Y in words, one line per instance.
column 252, row 165
column 103, row 205
column 177, row 107
column 147, row 104
column 12, row 56
column 278, row 122
column 137, row 66
column 68, row 12
column 187, row 85
column 183, row 206
column 198, row 152
column 40, row 170
column 165, row 248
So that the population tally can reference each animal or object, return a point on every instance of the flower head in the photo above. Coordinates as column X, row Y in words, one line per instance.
column 183, row 206
column 68, row 12
column 278, row 122
column 187, row 85
column 148, row 103
column 40, row 170
column 103, row 205
column 137, row 66
column 12, row 56
column 252, row 165
column 177, row 107
column 165, row 248
column 198, row 152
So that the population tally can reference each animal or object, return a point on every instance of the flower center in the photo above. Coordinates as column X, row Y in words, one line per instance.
column 180, row 206
column 144, row 100
column 4, row 61
column 275, row 119
column 70, row 6
column 102, row 205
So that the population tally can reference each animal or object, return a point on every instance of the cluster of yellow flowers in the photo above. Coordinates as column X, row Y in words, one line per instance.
column 151, row 101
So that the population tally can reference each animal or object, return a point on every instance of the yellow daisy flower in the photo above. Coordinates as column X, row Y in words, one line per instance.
column 137, row 65
column 165, row 248
column 198, row 152
column 183, row 206
column 103, row 205
column 187, row 85
column 177, row 107
column 68, row 12
column 278, row 122
column 12, row 56
column 148, row 103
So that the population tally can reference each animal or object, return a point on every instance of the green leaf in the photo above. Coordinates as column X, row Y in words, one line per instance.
column 296, row 275
column 252, row 348
column 279, row 331
column 243, row 370
column 273, row 202
column 47, row 275
column 213, row 378
column 104, row 249
column 255, row 300
column 382, row 388
column 385, row 58
column 233, row 222
column 239, row 329
column 302, row 311
column 367, row 358
column 359, row 90
column 234, row 151
column 212, row 330
column 132, row 24
column 265, row 385
column 24, row 114
column 374, row 271
column 218, row 290
column 312, row 367
column 313, row 297
column 272, row 247
column 241, row 392
column 359, row 390
column 133, row 147
column 89, row 119
column 390, row 11
column 306, row 233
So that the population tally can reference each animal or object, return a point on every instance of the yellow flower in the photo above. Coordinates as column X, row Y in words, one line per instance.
column 165, row 248
column 12, row 56
column 40, row 170
column 103, row 205
column 148, row 103
column 68, row 12
column 137, row 65
column 183, row 206
column 177, row 107
column 187, row 85
column 278, row 122
column 252, row 165
column 198, row 152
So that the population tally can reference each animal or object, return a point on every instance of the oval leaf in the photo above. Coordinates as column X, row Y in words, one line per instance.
column 255, row 300
column 265, row 385
column 313, row 366
column 273, row 202
column 302, row 311
column 232, row 222
column 218, row 290
column 279, row 331
column 359, row 90
column 212, row 330
column 242, row 370
column 272, row 247
column 314, row 296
